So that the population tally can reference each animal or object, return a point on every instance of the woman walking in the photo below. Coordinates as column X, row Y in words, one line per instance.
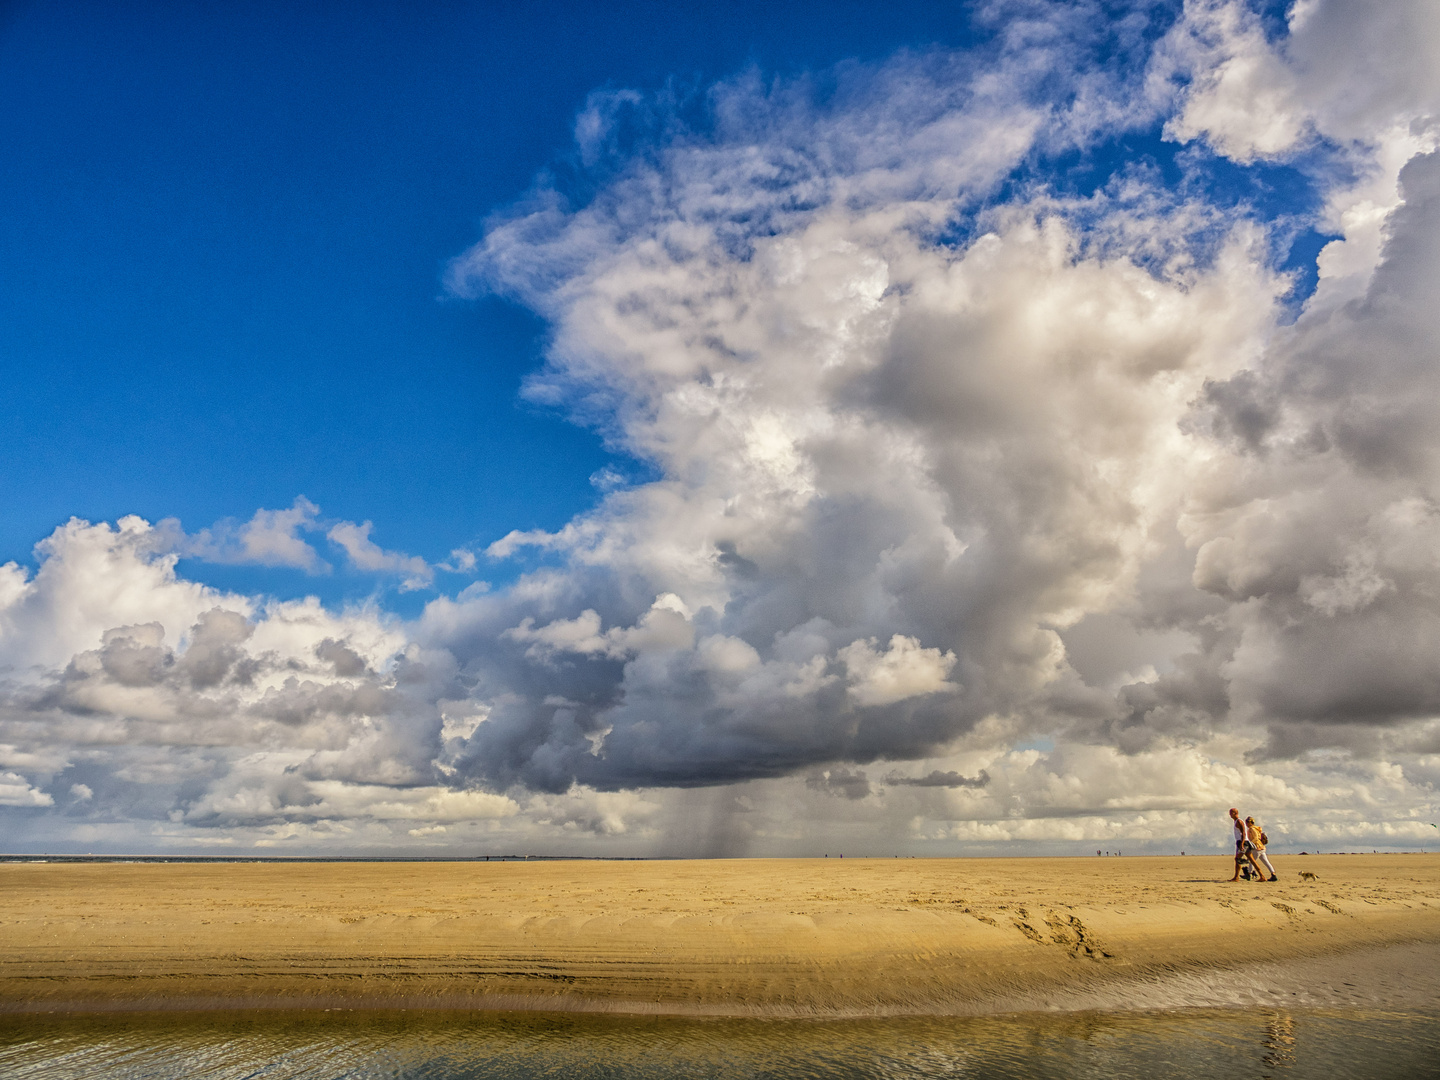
column 1258, row 840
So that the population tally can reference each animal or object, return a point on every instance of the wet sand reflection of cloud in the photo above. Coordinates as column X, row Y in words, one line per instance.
column 1279, row 1042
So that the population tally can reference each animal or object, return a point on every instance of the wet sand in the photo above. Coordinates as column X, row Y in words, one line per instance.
column 736, row 937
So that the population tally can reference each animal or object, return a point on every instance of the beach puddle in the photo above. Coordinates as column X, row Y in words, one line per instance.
column 519, row 1046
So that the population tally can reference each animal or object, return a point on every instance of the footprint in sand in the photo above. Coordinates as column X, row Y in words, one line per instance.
column 1030, row 932
column 1070, row 933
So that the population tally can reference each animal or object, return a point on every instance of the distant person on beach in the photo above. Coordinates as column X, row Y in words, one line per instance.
column 1243, row 848
column 1258, row 840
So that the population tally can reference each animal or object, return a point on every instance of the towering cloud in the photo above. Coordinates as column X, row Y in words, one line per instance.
column 1038, row 501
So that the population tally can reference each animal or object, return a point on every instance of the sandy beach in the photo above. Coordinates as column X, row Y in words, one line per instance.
column 741, row 937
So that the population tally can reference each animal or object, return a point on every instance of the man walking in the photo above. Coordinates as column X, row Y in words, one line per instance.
column 1243, row 849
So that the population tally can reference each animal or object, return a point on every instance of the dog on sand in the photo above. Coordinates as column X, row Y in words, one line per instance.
column 1306, row 875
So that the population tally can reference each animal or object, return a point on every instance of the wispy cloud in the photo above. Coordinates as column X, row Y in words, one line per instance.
column 273, row 538
column 269, row 538
column 365, row 554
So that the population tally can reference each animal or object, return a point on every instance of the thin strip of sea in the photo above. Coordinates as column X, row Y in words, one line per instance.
column 424, row 1045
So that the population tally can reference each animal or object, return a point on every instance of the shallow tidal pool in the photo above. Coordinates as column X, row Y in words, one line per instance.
column 358, row 1044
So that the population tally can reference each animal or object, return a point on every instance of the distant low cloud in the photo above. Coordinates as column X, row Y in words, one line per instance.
column 940, row 779
column 846, row 783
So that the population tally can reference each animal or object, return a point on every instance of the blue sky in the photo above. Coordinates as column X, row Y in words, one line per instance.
column 225, row 232
column 741, row 428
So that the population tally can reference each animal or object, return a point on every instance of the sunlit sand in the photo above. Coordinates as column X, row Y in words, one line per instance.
column 782, row 937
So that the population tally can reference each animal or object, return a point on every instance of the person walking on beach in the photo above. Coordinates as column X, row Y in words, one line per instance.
column 1242, row 846
column 1258, row 840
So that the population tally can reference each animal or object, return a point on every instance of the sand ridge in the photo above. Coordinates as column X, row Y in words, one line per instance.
column 749, row 936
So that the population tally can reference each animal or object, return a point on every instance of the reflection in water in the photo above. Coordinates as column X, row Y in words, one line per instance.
column 527, row 1046
column 1279, row 1042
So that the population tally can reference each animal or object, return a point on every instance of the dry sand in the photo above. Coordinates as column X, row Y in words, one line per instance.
column 777, row 937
